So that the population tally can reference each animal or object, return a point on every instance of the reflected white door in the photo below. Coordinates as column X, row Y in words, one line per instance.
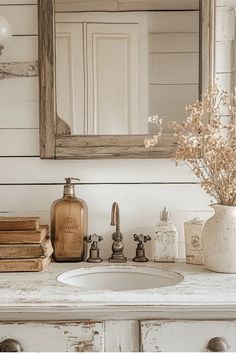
column 102, row 75
column 70, row 80
column 113, row 78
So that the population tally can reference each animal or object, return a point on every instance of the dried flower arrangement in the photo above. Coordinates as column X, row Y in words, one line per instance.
column 206, row 142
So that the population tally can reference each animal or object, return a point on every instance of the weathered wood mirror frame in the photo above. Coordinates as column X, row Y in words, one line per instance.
column 57, row 143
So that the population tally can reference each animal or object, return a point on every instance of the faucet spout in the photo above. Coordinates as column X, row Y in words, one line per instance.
column 117, row 237
column 115, row 216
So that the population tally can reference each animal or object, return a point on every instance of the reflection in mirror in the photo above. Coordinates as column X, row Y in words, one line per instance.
column 119, row 62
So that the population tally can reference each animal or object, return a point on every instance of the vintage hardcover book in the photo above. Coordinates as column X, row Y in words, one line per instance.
column 18, row 223
column 27, row 236
column 24, row 265
column 27, row 250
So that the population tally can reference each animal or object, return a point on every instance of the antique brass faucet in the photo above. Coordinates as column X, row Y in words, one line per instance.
column 117, row 246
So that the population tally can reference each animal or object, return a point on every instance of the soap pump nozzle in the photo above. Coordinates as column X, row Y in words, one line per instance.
column 165, row 214
column 69, row 189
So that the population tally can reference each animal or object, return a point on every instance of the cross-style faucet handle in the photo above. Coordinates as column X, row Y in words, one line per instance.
column 94, row 250
column 140, row 251
column 141, row 238
column 93, row 238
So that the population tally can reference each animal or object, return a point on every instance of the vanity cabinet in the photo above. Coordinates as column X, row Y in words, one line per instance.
column 187, row 336
column 119, row 336
column 55, row 336
column 45, row 315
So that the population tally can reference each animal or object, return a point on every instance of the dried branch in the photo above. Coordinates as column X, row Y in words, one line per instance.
column 208, row 145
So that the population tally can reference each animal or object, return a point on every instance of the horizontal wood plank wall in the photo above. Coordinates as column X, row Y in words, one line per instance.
column 19, row 96
column 28, row 185
column 173, row 63
column 139, row 207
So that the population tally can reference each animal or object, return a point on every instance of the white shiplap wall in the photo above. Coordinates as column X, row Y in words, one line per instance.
column 28, row 184
column 173, row 62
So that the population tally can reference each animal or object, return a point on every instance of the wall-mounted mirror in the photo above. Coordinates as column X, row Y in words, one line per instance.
column 106, row 66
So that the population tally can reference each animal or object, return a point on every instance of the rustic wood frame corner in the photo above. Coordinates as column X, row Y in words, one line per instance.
column 55, row 139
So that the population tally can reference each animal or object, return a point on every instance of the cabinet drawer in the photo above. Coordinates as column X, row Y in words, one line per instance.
column 185, row 336
column 55, row 336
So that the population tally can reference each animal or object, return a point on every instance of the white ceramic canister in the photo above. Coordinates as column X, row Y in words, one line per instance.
column 219, row 240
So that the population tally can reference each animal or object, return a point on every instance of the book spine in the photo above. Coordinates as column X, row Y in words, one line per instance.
column 18, row 237
column 19, row 265
column 43, row 250
column 12, row 226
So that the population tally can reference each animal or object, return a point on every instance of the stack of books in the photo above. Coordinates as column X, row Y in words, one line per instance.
column 25, row 245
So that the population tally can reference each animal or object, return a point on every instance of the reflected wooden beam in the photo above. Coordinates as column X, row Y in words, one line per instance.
column 126, row 5
column 207, row 45
column 18, row 69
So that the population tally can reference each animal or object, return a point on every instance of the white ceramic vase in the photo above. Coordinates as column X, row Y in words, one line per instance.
column 219, row 240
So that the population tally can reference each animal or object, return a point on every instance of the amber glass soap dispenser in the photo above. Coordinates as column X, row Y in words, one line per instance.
column 68, row 225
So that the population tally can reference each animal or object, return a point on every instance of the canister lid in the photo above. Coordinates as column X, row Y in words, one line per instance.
column 196, row 221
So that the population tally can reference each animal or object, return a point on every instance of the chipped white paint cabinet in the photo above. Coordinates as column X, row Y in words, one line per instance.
column 187, row 336
column 55, row 336
column 122, row 336
column 70, row 336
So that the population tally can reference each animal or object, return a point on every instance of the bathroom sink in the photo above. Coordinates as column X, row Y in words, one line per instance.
column 119, row 278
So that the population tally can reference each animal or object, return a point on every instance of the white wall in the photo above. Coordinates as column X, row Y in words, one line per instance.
column 225, row 44
column 28, row 185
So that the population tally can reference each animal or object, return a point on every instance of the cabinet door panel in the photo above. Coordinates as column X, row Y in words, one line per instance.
column 113, row 71
column 185, row 336
column 55, row 336
column 122, row 336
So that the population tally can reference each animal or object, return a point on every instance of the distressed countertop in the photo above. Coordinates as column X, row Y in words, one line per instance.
column 202, row 294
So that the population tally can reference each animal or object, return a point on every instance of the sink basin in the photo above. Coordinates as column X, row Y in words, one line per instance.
column 120, row 278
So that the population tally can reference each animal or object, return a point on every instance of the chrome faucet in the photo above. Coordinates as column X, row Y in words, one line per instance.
column 117, row 246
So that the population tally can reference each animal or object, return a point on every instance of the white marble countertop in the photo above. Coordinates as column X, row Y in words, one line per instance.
column 202, row 294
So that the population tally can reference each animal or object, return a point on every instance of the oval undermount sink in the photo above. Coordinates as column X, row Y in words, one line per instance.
column 119, row 278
